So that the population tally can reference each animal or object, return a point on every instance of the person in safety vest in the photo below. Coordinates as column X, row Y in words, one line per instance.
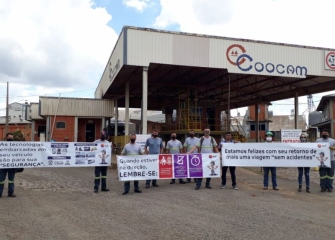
column 206, row 144
column 101, row 170
column 327, row 173
column 269, row 139
column 134, row 149
column 10, row 172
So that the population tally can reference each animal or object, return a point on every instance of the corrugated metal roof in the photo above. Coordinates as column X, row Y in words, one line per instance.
column 324, row 101
column 32, row 112
column 79, row 107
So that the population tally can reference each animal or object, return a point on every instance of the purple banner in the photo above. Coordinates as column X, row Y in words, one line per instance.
column 195, row 165
column 180, row 165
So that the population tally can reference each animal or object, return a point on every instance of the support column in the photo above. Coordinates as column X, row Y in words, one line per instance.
column 47, row 130
column 126, row 124
column 75, row 137
column 257, row 122
column 116, row 116
column 332, row 122
column 228, row 121
column 33, row 130
column 144, row 101
column 103, row 124
column 296, row 110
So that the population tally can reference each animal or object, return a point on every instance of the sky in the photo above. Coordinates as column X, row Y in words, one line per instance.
column 61, row 47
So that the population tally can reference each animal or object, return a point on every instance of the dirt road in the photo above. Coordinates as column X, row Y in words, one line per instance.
column 60, row 204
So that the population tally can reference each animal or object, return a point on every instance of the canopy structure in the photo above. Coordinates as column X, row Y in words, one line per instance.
column 162, row 70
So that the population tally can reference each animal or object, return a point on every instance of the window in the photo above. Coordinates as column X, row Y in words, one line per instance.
column 262, row 126
column 60, row 125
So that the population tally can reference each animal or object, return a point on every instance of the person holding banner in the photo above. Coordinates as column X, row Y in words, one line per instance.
column 269, row 139
column 206, row 144
column 155, row 145
column 101, row 170
column 131, row 148
column 327, row 174
column 189, row 143
column 227, row 139
column 301, row 170
column 10, row 172
column 174, row 146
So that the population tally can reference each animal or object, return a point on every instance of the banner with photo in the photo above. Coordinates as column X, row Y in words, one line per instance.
column 276, row 155
column 168, row 166
column 54, row 154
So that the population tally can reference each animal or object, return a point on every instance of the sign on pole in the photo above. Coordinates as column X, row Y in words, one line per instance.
column 290, row 135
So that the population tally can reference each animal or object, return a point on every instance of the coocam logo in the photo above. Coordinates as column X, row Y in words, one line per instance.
column 237, row 55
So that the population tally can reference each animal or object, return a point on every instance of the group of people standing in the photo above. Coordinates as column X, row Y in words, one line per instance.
column 326, row 173
column 192, row 144
column 207, row 144
column 154, row 145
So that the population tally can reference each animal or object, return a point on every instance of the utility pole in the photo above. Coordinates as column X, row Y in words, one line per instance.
column 7, row 107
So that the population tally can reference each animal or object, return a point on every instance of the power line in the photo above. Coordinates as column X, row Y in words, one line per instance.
column 49, row 94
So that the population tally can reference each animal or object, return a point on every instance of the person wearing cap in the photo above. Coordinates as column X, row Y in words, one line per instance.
column 131, row 148
column 269, row 139
column 101, row 172
column 303, row 139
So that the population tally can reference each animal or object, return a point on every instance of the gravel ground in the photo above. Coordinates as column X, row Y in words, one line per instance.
column 59, row 203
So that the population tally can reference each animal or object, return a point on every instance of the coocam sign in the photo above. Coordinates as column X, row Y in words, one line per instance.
column 238, row 56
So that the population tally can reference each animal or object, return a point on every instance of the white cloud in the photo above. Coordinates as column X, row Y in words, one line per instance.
column 54, row 45
column 139, row 5
column 286, row 21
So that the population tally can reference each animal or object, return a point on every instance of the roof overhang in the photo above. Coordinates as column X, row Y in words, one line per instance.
column 206, row 68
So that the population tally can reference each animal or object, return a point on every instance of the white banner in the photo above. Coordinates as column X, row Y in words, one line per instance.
column 276, row 154
column 290, row 135
column 54, row 154
column 168, row 166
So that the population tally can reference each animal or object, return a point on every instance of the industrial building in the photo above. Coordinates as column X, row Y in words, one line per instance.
column 198, row 77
